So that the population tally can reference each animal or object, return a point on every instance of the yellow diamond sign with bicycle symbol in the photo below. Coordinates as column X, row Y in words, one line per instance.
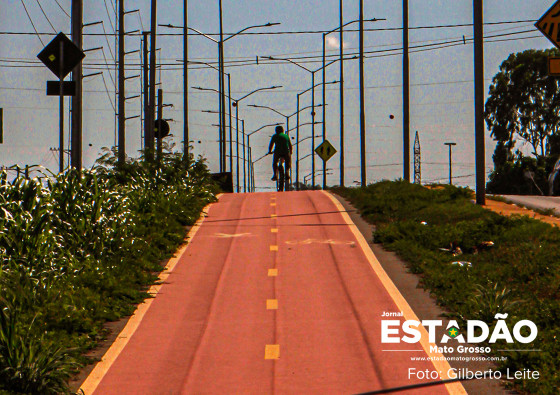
column 549, row 24
column 325, row 150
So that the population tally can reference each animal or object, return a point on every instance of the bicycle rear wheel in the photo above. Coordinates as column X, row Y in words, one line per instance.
column 281, row 179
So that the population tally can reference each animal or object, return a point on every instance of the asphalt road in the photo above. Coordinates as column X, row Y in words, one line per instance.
column 536, row 202
column 276, row 293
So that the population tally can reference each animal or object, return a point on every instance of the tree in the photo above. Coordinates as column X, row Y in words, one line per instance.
column 524, row 104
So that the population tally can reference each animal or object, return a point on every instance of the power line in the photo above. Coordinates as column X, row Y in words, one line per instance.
column 43, row 11
column 32, row 24
column 110, row 22
column 315, row 59
column 296, row 32
column 63, row 10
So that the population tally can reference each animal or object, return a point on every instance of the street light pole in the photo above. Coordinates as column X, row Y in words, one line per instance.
column 221, row 69
column 236, row 105
column 297, row 139
column 244, row 158
column 230, row 136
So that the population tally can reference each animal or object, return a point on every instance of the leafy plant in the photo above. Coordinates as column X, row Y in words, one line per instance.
column 80, row 248
column 422, row 224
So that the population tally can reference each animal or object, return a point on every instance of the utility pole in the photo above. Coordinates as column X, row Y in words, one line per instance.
column 450, row 145
column 417, row 160
column 362, row 101
column 159, row 131
column 186, row 81
column 479, row 101
column 149, row 137
column 222, row 95
column 341, row 94
column 76, row 101
column 146, row 78
column 406, row 95
column 122, row 94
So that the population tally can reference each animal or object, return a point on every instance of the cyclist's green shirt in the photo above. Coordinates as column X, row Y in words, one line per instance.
column 281, row 143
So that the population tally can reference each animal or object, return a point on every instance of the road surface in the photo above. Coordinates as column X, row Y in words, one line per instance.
column 276, row 293
column 536, row 202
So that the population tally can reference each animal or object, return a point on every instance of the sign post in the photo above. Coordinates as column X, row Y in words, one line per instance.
column 61, row 55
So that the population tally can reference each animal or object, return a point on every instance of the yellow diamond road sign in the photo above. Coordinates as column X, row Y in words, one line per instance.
column 549, row 24
column 325, row 150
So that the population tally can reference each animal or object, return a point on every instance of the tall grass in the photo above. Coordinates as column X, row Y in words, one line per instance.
column 519, row 275
column 80, row 248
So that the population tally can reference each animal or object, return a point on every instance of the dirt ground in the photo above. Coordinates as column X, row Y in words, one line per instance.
column 511, row 209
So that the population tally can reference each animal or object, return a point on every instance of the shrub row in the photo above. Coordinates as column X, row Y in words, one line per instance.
column 79, row 249
column 519, row 275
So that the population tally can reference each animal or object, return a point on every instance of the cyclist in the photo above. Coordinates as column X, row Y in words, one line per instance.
column 282, row 149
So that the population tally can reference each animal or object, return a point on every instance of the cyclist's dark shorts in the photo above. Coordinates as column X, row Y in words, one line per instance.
column 287, row 158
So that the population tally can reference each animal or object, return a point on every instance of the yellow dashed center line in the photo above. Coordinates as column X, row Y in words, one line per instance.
column 272, row 351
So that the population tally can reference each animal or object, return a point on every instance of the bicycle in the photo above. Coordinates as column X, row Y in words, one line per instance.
column 281, row 178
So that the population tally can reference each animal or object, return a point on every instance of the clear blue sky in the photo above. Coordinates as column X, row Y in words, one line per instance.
column 441, row 95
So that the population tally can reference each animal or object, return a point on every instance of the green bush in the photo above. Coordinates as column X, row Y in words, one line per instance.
column 80, row 248
column 519, row 275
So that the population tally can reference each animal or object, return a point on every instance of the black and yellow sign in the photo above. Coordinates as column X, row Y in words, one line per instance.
column 549, row 24
column 325, row 150
column 61, row 55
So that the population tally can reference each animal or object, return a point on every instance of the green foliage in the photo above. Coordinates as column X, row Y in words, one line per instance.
column 78, row 249
column 519, row 275
column 520, row 176
column 524, row 102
